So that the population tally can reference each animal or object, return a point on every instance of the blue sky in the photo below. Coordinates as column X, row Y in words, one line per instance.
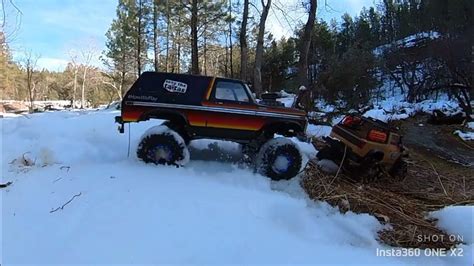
column 54, row 28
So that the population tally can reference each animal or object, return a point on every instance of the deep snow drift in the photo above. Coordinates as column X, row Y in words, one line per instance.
column 130, row 212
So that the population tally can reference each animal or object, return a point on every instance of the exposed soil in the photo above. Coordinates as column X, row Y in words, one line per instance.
column 438, row 140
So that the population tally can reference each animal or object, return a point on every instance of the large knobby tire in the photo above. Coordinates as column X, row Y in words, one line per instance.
column 279, row 159
column 161, row 145
column 178, row 128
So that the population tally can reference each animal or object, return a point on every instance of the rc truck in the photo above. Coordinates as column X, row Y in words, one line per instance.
column 195, row 107
column 366, row 148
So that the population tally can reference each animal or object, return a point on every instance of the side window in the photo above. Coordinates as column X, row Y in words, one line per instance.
column 231, row 91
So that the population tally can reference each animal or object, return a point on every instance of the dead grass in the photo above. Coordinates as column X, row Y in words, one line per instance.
column 431, row 184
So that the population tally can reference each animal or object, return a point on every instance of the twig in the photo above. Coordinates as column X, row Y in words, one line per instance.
column 5, row 185
column 64, row 205
column 439, row 178
column 340, row 165
column 57, row 180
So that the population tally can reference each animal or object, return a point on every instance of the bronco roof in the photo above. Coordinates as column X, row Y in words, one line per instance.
column 170, row 88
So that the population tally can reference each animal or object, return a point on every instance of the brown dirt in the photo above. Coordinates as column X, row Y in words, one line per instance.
column 431, row 184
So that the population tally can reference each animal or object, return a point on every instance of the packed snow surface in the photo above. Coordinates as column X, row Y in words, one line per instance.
column 457, row 220
column 77, row 198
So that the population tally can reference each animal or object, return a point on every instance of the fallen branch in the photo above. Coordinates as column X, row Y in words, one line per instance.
column 64, row 205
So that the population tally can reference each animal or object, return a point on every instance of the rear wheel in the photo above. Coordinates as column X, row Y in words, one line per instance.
column 161, row 145
column 399, row 169
column 279, row 159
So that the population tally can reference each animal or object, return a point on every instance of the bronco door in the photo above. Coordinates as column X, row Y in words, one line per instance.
column 232, row 110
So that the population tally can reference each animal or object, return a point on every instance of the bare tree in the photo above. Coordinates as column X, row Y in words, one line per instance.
column 114, row 82
column 29, row 63
column 243, row 42
column 10, row 20
column 75, row 71
column 87, row 56
column 305, row 43
column 259, row 50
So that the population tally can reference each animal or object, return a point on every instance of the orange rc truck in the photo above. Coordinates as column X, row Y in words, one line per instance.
column 366, row 147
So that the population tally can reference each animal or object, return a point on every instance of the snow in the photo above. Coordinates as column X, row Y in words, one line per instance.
column 328, row 166
column 468, row 136
column 457, row 220
column 470, row 125
column 407, row 42
column 397, row 108
column 318, row 131
column 203, row 144
column 281, row 164
column 55, row 104
column 126, row 211
column 287, row 101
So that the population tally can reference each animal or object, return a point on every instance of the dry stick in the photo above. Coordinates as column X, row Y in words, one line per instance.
column 337, row 173
column 340, row 165
column 439, row 178
column 69, row 201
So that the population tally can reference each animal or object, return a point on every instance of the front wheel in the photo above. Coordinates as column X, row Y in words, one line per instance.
column 279, row 159
column 161, row 145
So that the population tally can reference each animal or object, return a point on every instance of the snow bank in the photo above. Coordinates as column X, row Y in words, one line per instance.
column 130, row 212
column 458, row 221
column 397, row 108
column 468, row 136
column 470, row 125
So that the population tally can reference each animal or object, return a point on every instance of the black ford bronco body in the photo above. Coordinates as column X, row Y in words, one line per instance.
column 210, row 107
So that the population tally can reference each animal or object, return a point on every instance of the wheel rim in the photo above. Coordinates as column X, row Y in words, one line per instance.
column 282, row 163
column 160, row 154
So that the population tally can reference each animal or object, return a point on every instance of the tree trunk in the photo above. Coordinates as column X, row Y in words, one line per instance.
column 168, row 26
column 259, row 50
column 305, row 44
column 205, row 54
column 194, row 38
column 83, row 87
column 139, row 36
column 230, row 40
column 73, row 105
column 29, row 80
column 156, row 50
column 243, row 43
